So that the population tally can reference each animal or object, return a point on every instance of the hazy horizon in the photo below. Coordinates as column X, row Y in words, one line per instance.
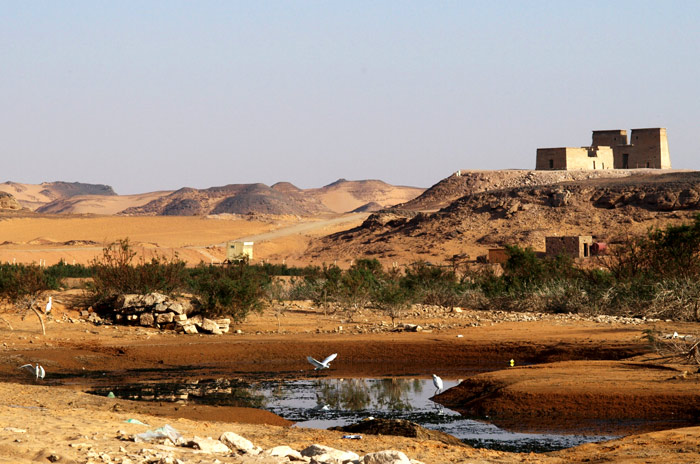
column 162, row 95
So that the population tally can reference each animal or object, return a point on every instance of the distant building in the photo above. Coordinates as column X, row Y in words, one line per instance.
column 578, row 246
column 610, row 149
column 237, row 250
column 497, row 255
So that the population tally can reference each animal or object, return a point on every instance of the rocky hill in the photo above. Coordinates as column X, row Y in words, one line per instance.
column 231, row 199
column 36, row 196
column 8, row 202
column 467, row 182
column 282, row 198
column 605, row 207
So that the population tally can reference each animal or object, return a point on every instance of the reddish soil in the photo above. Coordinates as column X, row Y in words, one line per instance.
column 535, row 394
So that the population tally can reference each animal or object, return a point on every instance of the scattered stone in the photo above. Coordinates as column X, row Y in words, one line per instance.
column 238, row 443
column 210, row 326
column 208, row 445
column 285, row 452
column 14, row 430
column 386, row 457
column 326, row 454
column 190, row 329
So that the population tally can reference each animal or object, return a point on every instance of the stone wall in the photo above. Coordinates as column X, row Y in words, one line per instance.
column 573, row 158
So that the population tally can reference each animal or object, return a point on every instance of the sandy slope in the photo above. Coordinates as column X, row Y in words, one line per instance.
column 100, row 204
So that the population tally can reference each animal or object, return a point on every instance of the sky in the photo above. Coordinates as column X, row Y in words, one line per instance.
column 159, row 95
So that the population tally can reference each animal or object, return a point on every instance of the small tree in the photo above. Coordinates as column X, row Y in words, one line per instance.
column 234, row 290
column 22, row 284
column 116, row 274
column 391, row 298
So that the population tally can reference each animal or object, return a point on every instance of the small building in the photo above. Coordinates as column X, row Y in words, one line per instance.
column 497, row 256
column 237, row 250
column 578, row 246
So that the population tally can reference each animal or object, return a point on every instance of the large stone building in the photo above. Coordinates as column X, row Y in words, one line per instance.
column 646, row 148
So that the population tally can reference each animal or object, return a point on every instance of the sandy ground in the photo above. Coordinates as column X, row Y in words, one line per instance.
column 80, row 239
column 577, row 368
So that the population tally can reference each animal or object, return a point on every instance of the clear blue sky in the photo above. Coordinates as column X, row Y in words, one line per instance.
column 151, row 95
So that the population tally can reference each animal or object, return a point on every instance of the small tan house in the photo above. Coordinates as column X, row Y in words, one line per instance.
column 237, row 250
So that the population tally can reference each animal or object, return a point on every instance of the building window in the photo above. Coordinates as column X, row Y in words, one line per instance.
column 647, row 164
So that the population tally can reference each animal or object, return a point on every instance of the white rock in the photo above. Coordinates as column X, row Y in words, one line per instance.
column 209, row 445
column 327, row 454
column 238, row 443
column 190, row 329
column 164, row 318
column 210, row 326
column 284, row 452
column 386, row 457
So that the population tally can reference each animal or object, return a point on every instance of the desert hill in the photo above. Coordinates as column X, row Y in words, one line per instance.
column 34, row 196
column 605, row 207
column 343, row 195
column 231, row 199
column 99, row 204
column 282, row 198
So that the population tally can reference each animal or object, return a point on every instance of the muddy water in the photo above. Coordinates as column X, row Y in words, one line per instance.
column 325, row 402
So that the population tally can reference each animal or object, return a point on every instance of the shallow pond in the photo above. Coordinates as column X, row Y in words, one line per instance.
column 326, row 402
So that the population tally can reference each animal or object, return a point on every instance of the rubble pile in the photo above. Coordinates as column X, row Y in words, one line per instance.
column 167, row 313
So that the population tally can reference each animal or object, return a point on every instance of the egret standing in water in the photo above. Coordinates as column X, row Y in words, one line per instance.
column 38, row 371
column 47, row 310
column 437, row 381
column 325, row 364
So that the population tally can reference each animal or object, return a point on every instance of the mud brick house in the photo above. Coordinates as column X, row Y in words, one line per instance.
column 610, row 149
column 578, row 246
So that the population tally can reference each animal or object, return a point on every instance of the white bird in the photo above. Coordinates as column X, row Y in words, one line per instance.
column 47, row 310
column 38, row 371
column 325, row 364
column 437, row 381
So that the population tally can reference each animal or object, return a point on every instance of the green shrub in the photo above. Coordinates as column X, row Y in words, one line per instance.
column 115, row 274
column 22, row 283
column 233, row 290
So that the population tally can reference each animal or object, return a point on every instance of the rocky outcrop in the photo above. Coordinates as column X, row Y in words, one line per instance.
column 163, row 312
column 8, row 202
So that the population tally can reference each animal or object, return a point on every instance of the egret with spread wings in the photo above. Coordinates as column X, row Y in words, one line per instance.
column 37, row 371
column 325, row 364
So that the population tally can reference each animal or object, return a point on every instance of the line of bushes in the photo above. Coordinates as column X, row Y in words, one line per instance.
column 656, row 275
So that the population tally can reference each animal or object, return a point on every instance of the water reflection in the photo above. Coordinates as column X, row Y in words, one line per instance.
column 324, row 403
column 362, row 394
column 220, row 392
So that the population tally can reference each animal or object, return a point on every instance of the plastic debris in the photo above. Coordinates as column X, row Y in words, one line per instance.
column 111, row 395
column 135, row 421
column 166, row 431
column 353, row 437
